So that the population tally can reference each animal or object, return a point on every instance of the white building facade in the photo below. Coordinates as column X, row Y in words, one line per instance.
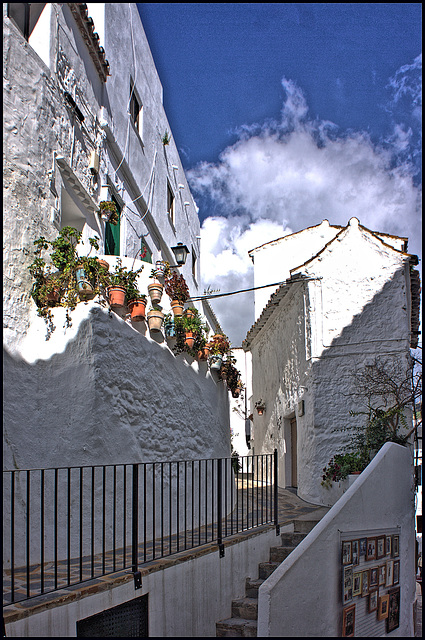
column 84, row 123
column 346, row 299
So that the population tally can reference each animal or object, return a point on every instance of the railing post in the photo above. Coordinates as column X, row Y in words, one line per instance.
column 135, row 528
column 276, row 504
column 219, row 509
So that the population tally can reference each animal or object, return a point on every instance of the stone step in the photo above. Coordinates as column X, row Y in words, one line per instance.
column 304, row 526
column 289, row 539
column 245, row 608
column 236, row 628
column 252, row 586
column 279, row 554
column 265, row 569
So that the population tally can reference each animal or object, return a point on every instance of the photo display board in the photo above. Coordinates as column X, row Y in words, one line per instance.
column 370, row 582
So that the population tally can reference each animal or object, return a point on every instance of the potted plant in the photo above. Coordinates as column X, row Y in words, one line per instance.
column 155, row 318
column 191, row 333
column 169, row 327
column 121, row 280
column 219, row 345
column 136, row 301
column 109, row 212
column 177, row 290
column 63, row 286
column 341, row 465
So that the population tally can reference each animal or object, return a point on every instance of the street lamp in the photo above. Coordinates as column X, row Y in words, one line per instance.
column 180, row 253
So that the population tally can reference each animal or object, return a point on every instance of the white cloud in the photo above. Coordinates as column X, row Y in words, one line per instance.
column 281, row 177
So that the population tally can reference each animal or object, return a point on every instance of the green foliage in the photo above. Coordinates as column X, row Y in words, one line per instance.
column 341, row 465
column 219, row 344
column 195, row 324
column 122, row 277
column 108, row 208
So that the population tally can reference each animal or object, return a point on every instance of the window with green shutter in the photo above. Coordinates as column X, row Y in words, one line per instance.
column 112, row 234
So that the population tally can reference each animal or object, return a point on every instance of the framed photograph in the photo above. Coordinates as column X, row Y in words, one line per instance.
column 347, row 586
column 395, row 546
column 373, row 577
column 362, row 546
column 388, row 545
column 355, row 552
column 382, row 575
column 357, row 583
column 348, row 619
column 390, row 573
column 373, row 601
column 380, row 547
column 396, row 572
column 365, row 583
column 393, row 619
column 371, row 549
column 383, row 607
column 347, row 553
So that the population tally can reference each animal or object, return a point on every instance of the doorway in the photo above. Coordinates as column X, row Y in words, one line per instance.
column 294, row 466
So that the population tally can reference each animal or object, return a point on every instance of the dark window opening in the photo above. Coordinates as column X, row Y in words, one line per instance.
column 170, row 203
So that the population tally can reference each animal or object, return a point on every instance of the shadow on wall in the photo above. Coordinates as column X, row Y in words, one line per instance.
column 112, row 396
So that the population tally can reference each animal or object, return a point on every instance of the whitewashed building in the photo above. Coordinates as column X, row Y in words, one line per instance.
column 348, row 295
column 84, row 122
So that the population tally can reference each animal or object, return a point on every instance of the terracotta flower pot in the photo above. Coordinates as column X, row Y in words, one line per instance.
column 189, row 339
column 54, row 296
column 155, row 320
column 189, row 313
column 204, row 353
column 137, row 309
column 104, row 264
column 155, row 291
column 177, row 307
column 116, row 296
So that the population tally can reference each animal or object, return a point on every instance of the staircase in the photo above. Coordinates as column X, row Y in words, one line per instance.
column 243, row 623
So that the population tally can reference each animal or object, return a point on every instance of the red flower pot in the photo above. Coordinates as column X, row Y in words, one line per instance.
column 116, row 296
column 137, row 309
column 190, row 339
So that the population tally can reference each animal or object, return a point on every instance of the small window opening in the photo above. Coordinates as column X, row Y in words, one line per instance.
column 170, row 204
column 136, row 110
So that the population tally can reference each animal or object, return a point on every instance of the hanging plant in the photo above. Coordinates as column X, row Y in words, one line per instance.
column 176, row 287
column 109, row 212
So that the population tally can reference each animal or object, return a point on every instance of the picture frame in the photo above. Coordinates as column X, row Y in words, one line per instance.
column 388, row 545
column 357, row 583
column 371, row 549
column 347, row 552
column 348, row 621
column 373, row 600
column 373, row 577
column 396, row 572
column 355, row 552
column 393, row 619
column 382, row 575
column 347, row 584
column 365, row 582
column 390, row 573
column 395, row 546
column 383, row 602
column 362, row 546
column 380, row 547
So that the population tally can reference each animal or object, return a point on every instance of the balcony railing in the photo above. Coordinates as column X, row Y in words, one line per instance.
column 65, row 526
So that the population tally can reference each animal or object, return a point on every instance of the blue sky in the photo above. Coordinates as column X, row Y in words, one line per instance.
column 266, row 101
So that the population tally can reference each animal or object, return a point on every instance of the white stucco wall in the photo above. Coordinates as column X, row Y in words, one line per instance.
column 352, row 307
column 303, row 597
column 274, row 260
column 185, row 600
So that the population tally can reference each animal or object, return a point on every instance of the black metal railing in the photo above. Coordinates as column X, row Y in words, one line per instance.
column 64, row 526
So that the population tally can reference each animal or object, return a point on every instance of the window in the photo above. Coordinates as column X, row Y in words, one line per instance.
column 145, row 252
column 112, row 234
column 170, row 204
column 25, row 15
column 193, row 264
column 136, row 110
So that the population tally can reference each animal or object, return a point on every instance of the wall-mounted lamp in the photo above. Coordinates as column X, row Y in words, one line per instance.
column 260, row 406
column 180, row 253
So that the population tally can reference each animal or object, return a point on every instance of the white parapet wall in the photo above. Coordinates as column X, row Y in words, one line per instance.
column 304, row 595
